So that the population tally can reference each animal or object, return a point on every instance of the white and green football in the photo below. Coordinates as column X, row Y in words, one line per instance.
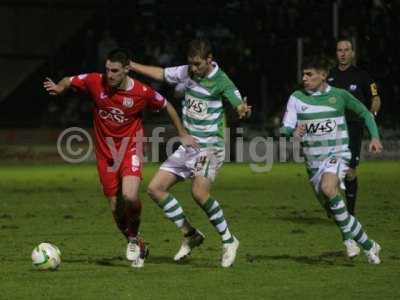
column 46, row 256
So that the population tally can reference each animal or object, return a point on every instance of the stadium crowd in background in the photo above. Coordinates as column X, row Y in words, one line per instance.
column 259, row 53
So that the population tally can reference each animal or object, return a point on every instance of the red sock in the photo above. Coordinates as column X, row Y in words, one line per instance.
column 119, row 219
column 133, row 211
column 119, row 216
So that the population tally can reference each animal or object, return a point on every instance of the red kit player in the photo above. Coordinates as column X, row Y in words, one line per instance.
column 118, row 103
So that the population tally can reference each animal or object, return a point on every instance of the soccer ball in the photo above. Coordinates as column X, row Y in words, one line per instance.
column 46, row 256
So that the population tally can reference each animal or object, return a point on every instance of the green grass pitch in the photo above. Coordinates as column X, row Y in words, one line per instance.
column 288, row 250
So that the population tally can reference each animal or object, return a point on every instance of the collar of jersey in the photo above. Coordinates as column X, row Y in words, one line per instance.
column 128, row 88
column 319, row 93
column 214, row 71
column 131, row 84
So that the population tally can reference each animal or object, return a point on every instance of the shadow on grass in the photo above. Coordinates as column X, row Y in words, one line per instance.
column 120, row 261
column 161, row 260
column 306, row 220
column 333, row 258
column 188, row 261
column 113, row 261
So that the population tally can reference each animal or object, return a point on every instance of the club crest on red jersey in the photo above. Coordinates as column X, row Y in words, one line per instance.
column 127, row 102
column 103, row 96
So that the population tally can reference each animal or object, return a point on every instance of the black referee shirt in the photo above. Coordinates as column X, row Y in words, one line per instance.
column 356, row 81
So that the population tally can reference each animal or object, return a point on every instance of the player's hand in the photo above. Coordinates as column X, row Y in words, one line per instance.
column 375, row 146
column 300, row 131
column 52, row 88
column 244, row 110
column 132, row 65
column 189, row 141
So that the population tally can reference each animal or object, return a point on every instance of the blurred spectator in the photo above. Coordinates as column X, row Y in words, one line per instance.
column 257, row 39
column 90, row 53
column 105, row 45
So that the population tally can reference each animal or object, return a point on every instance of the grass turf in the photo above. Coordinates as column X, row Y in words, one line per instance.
column 289, row 249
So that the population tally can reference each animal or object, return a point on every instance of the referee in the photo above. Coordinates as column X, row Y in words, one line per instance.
column 360, row 84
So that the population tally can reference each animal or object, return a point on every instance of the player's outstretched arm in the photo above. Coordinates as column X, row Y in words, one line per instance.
column 289, row 122
column 299, row 132
column 244, row 110
column 353, row 104
column 375, row 146
column 186, row 138
column 154, row 72
column 56, row 89
column 360, row 109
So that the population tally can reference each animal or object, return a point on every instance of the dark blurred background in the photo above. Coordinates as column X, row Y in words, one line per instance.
column 256, row 42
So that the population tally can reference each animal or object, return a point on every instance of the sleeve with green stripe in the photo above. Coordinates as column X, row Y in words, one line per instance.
column 230, row 92
column 353, row 104
column 289, row 121
column 176, row 75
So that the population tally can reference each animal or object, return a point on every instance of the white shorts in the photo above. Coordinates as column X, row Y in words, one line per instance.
column 335, row 165
column 189, row 162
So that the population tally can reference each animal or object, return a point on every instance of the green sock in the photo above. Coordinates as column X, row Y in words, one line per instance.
column 216, row 217
column 173, row 211
column 348, row 225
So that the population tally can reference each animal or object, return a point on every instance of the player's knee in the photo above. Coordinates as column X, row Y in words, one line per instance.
column 154, row 191
column 328, row 189
column 200, row 196
column 130, row 197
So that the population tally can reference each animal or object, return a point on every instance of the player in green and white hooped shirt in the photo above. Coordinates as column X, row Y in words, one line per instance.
column 205, row 86
column 315, row 115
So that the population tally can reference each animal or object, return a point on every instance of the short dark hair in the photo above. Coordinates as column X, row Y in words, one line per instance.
column 199, row 47
column 345, row 39
column 120, row 55
column 317, row 62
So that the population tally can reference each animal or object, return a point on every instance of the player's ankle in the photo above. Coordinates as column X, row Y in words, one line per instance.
column 191, row 232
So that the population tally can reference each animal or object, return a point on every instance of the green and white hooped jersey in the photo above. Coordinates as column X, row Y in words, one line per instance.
column 322, row 113
column 202, row 109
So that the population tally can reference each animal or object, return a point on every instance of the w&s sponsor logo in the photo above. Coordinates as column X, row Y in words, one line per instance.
column 321, row 128
column 196, row 107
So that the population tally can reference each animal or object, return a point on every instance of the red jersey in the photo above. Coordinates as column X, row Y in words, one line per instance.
column 117, row 113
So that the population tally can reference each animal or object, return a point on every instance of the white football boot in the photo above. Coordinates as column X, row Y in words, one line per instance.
column 132, row 250
column 229, row 253
column 188, row 243
column 137, row 251
column 373, row 254
column 352, row 249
